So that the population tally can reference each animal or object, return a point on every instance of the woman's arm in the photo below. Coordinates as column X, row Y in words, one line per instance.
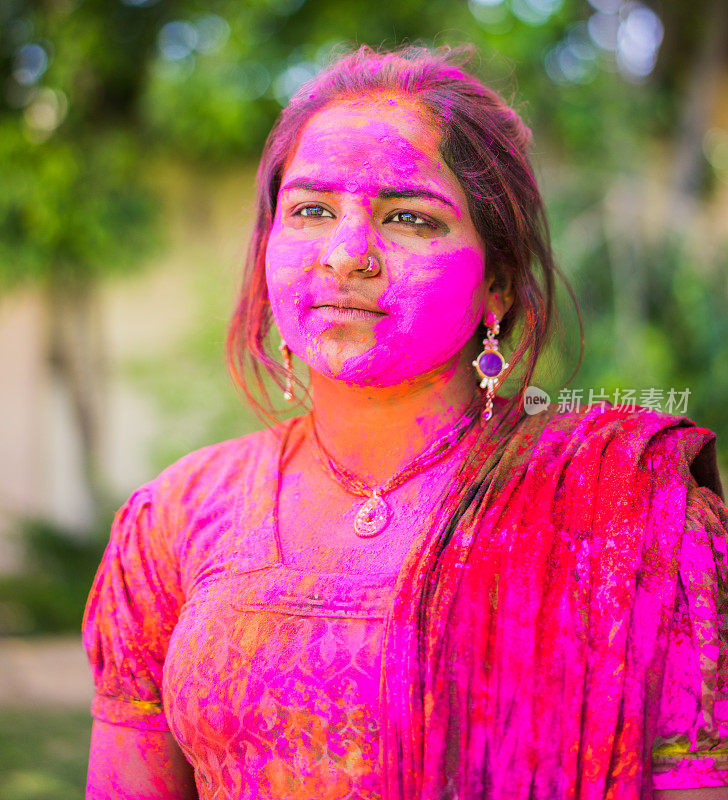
column 131, row 764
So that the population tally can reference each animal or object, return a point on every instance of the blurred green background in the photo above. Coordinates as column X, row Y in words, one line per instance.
column 129, row 135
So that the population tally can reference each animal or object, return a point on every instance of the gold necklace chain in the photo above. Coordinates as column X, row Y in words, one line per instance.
column 373, row 516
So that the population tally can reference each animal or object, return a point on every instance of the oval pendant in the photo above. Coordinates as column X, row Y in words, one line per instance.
column 372, row 517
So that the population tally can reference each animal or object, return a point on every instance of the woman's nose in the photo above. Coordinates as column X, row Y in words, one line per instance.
column 348, row 249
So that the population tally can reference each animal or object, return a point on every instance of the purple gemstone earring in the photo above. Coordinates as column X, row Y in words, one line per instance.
column 490, row 364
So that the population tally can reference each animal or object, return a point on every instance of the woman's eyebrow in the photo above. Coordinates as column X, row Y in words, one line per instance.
column 310, row 186
column 413, row 192
column 387, row 193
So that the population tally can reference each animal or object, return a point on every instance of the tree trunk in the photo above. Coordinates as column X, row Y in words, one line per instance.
column 76, row 356
column 700, row 94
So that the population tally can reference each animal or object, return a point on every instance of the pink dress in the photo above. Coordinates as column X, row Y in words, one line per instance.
column 268, row 676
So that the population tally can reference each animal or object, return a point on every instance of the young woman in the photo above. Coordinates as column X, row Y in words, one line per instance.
column 414, row 590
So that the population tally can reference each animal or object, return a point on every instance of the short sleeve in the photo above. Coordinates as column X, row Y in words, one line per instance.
column 691, row 748
column 131, row 611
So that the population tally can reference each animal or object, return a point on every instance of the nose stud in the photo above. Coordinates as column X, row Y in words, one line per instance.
column 372, row 265
column 368, row 266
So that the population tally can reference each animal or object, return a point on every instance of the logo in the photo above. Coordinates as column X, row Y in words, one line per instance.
column 535, row 400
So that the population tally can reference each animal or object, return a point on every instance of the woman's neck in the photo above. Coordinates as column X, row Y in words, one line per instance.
column 376, row 431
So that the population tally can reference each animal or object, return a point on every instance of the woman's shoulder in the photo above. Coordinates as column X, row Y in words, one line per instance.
column 215, row 469
column 633, row 436
column 610, row 421
column 196, row 499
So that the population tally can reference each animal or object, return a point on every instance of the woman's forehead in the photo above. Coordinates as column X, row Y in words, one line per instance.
column 404, row 111
column 370, row 141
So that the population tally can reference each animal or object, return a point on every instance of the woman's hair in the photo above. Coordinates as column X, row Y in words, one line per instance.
column 484, row 142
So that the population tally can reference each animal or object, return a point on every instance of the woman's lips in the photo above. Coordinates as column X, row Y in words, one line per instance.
column 346, row 313
column 346, row 308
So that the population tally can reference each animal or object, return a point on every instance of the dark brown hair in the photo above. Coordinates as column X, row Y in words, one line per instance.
column 485, row 143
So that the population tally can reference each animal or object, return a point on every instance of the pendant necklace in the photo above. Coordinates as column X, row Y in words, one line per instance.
column 373, row 516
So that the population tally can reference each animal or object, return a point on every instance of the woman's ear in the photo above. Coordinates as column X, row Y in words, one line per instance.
column 499, row 291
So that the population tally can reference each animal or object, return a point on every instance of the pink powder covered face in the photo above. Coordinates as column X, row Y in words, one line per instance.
column 367, row 180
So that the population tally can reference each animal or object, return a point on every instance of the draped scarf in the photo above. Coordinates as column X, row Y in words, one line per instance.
column 524, row 650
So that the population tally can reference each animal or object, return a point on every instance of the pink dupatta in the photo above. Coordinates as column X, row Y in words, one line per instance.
column 524, row 652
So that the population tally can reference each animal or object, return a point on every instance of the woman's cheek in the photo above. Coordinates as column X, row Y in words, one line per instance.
column 288, row 270
column 434, row 307
column 292, row 291
column 439, row 296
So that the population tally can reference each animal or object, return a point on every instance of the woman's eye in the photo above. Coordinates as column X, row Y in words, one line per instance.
column 410, row 218
column 314, row 211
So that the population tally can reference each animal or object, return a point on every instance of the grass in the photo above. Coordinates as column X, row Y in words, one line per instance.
column 43, row 753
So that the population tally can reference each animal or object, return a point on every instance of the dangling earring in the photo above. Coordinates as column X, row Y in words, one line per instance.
column 490, row 364
column 288, row 394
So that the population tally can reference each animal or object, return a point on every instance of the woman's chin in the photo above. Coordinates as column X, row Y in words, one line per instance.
column 357, row 364
column 351, row 362
column 367, row 370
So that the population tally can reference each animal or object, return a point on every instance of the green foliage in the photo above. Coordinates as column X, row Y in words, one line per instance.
column 688, row 306
column 114, row 82
column 206, row 80
column 49, row 594
column 210, row 113
column 74, row 205
column 679, row 341
column 71, row 210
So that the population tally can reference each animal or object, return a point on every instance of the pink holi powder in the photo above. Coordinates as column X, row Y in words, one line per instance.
column 221, row 615
column 430, row 288
column 263, row 658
